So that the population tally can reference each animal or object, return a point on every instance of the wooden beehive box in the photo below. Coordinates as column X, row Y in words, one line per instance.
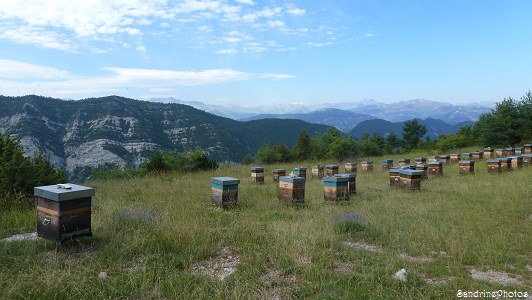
column 445, row 159
column 435, row 168
column 508, row 152
column 499, row 152
column 367, row 166
column 394, row 177
column 527, row 148
column 527, row 159
column 257, row 175
column 335, row 188
column 478, row 155
column 300, row 172
column 519, row 151
column 420, row 160
column 332, row 169
column 224, row 191
column 423, row 168
column 352, row 181
column 467, row 167
column 494, row 166
column 409, row 179
column 455, row 157
column 516, row 162
column 506, row 164
column 350, row 168
column 387, row 164
column 63, row 211
column 433, row 158
column 277, row 173
column 404, row 161
column 292, row 189
column 317, row 171
column 488, row 153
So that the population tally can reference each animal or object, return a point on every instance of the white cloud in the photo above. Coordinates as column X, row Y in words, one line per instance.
column 18, row 78
column 276, row 24
column 10, row 69
column 227, row 51
column 249, row 2
column 141, row 48
column 296, row 11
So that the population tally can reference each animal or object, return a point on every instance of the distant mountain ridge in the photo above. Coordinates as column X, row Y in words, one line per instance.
column 86, row 133
column 393, row 112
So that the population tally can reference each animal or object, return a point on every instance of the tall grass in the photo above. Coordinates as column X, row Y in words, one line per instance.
column 150, row 232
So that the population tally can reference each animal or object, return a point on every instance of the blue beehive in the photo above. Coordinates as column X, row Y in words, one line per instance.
column 336, row 188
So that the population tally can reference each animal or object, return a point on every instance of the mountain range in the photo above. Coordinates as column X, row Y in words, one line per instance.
column 79, row 135
column 364, row 110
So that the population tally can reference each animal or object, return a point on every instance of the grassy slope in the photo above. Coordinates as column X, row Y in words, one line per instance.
column 148, row 234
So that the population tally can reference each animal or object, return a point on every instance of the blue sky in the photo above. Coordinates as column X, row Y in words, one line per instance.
column 251, row 52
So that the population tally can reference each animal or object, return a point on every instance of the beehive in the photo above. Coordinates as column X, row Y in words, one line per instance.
column 494, row 166
column 445, row 159
column 387, row 164
column 519, row 150
column 63, row 211
column 300, row 172
column 527, row 159
column 332, row 169
column 508, row 152
column 224, row 191
column 335, row 188
column 488, row 153
column 506, row 164
column 500, row 152
column 292, row 189
column 467, row 156
column 433, row 158
column 516, row 162
column 404, row 161
column 394, row 177
column 455, row 157
column 528, row 148
column 350, row 168
column 351, row 180
column 435, row 168
column 257, row 175
column 367, row 166
column 317, row 171
column 420, row 160
column 277, row 173
column 423, row 168
column 467, row 167
column 478, row 155
column 410, row 179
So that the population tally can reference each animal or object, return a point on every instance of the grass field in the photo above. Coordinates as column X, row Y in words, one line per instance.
column 160, row 237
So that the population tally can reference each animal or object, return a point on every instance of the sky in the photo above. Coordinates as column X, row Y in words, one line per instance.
column 259, row 52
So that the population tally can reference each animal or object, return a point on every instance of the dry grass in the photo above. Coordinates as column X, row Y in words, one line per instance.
column 158, row 237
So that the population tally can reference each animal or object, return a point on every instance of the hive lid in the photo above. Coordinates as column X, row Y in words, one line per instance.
column 300, row 169
column 350, row 164
column 335, row 179
column 317, row 167
column 257, row 169
column 492, row 160
column 367, row 162
column 225, row 180
column 528, row 145
column 332, row 166
column 292, row 179
column 63, row 192
column 435, row 163
column 466, row 162
column 346, row 175
column 409, row 172
column 279, row 170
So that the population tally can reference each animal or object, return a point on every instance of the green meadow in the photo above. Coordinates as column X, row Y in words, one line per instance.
column 160, row 237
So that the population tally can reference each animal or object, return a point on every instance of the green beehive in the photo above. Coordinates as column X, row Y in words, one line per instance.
column 224, row 191
column 336, row 188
